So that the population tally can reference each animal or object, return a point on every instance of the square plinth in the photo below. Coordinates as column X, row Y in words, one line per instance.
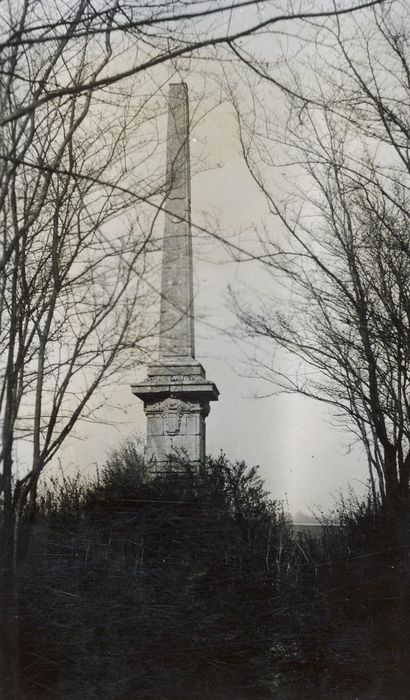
column 176, row 405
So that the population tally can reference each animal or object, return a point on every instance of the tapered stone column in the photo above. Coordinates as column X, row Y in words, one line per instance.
column 176, row 394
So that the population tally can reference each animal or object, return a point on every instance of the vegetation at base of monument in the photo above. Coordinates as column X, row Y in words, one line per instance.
column 192, row 584
column 153, row 586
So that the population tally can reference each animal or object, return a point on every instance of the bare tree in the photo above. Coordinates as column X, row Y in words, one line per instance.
column 75, row 282
column 75, row 303
column 341, row 239
column 155, row 33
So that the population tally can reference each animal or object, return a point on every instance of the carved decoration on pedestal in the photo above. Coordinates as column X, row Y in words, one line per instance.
column 172, row 412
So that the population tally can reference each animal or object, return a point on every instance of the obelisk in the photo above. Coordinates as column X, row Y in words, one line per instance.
column 176, row 394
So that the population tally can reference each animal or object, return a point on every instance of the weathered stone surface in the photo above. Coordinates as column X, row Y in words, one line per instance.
column 182, row 369
column 177, row 302
column 176, row 393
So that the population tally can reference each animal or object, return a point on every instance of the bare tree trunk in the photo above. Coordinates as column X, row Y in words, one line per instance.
column 9, row 618
column 391, row 479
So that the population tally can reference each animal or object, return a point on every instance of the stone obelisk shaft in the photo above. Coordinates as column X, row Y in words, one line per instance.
column 177, row 309
column 176, row 393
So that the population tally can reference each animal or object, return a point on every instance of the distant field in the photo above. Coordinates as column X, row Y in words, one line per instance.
column 309, row 528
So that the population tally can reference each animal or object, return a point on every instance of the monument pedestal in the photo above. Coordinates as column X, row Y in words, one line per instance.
column 176, row 402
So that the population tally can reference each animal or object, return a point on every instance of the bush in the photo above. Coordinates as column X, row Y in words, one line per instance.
column 144, row 585
column 348, row 595
column 190, row 583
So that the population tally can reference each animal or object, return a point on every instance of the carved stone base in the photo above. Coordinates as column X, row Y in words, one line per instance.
column 176, row 402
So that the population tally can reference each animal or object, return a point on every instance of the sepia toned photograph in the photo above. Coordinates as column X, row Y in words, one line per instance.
column 204, row 349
